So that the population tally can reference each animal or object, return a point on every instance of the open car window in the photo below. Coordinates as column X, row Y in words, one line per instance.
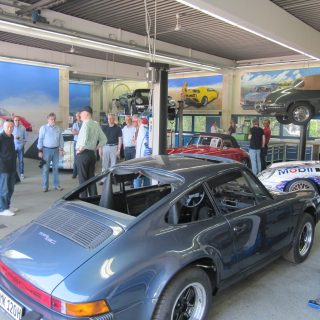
column 232, row 192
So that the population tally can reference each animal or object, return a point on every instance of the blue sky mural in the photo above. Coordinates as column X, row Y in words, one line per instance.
column 79, row 96
column 255, row 86
column 29, row 91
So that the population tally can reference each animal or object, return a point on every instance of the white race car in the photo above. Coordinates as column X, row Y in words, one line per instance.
column 291, row 176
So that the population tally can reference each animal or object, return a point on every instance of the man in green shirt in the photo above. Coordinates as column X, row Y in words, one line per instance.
column 90, row 138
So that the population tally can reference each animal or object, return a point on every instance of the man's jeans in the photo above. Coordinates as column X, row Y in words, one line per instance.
column 50, row 155
column 255, row 157
column 20, row 153
column 7, row 181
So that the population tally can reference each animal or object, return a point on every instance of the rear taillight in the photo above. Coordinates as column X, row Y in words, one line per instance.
column 71, row 309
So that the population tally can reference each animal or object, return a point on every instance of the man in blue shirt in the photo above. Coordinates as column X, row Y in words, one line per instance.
column 50, row 144
column 20, row 138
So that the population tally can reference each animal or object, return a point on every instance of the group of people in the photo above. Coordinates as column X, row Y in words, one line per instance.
column 89, row 137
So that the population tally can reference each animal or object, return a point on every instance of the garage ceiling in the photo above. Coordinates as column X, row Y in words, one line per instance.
column 198, row 31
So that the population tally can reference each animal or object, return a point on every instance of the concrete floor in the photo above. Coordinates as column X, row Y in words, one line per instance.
column 278, row 292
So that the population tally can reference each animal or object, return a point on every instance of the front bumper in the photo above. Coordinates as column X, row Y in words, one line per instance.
column 271, row 109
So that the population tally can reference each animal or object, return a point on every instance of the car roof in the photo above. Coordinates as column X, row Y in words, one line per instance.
column 219, row 135
column 179, row 169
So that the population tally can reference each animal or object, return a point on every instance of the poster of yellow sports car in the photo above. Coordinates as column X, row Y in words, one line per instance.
column 198, row 93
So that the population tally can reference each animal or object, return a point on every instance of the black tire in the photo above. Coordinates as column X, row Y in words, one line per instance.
column 301, row 184
column 204, row 101
column 187, row 296
column 302, row 240
column 300, row 113
column 283, row 119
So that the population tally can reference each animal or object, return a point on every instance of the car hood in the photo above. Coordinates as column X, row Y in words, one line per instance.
column 57, row 243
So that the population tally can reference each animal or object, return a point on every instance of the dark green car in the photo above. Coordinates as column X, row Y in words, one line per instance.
column 297, row 104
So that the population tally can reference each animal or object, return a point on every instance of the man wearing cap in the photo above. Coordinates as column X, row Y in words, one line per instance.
column 111, row 150
column 128, row 135
column 90, row 138
column 50, row 145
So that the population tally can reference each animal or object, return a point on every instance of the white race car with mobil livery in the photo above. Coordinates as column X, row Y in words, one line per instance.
column 291, row 176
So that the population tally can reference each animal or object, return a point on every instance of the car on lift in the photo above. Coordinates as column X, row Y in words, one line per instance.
column 214, row 144
column 291, row 176
column 5, row 115
column 297, row 104
column 138, row 103
column 201, row 96
column 156, row 252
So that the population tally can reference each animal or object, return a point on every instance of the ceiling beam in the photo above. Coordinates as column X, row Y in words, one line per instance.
column 265, row 19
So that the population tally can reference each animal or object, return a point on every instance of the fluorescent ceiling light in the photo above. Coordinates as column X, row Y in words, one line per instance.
column 244, row 28
column 33, row 63
column 261, row 64
column 31, row 31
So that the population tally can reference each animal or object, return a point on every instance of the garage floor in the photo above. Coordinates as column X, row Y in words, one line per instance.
column 279, row 292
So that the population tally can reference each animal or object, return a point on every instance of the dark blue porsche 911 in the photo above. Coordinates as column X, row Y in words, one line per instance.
column 157, row 252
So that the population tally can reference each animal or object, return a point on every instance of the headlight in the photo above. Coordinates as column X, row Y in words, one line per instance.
column 139, row 101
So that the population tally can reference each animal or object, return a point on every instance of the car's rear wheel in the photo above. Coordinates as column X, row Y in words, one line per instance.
column 301, row 184
column 300, row 113
column 204, row 101
column 302, row 241
column 186, row 297
column 283, row 119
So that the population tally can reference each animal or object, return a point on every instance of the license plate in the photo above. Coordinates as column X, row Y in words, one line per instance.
column 10, row 306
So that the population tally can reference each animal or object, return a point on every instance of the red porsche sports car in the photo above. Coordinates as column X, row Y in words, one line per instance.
column 5, row 115
column 214, row 144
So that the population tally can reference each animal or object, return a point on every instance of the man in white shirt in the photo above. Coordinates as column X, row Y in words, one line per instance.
column 128, row 138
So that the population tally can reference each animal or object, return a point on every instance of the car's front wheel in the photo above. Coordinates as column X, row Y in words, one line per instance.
column 301, row 184
column 300, row 113
column 302, row 241
column 204, row 101
column 187, row 297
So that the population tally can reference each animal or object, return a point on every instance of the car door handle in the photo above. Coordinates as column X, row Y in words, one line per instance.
column 239, row 229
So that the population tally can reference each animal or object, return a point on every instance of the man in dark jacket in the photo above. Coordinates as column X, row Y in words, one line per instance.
column 257, row 142
column 7, row 168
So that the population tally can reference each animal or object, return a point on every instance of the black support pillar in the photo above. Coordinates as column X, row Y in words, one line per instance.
column 158, row 76
column 303, row 141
